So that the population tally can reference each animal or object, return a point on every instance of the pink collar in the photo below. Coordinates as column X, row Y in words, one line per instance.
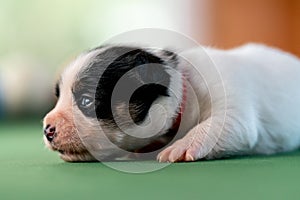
column 177, row 120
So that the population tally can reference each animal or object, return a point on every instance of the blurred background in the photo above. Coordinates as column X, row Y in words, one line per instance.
column 38, row 37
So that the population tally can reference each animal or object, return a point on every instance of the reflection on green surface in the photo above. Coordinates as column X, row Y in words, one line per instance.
column 30, row 171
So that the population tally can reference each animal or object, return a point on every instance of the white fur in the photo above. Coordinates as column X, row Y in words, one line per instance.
column 258, row 94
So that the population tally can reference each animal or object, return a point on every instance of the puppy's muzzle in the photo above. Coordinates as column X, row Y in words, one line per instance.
column 49, row 132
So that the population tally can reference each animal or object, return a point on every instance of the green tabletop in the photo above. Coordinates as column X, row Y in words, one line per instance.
column 30, row 171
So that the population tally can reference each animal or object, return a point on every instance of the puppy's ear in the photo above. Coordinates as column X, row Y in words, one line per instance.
column 149, row 72
column 154, row 70
column 146, row 70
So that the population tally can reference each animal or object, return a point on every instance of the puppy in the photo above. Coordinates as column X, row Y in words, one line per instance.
column 199, row 103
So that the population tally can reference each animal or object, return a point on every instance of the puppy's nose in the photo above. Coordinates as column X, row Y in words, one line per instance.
column 49, row 132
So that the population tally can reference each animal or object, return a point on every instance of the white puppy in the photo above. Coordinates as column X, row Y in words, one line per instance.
column 220, row 103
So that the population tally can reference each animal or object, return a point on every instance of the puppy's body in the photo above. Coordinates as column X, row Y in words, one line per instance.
column 262, row 103
column 251, row 108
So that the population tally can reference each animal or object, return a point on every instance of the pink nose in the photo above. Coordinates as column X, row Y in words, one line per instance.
column 49, row 132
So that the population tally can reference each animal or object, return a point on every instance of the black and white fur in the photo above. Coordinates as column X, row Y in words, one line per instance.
column 253, row 109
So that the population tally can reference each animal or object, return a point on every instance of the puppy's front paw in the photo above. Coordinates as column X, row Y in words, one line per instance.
column 182, row 150
column 198, row 143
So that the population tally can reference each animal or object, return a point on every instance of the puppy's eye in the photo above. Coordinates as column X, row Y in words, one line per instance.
column 86, row 101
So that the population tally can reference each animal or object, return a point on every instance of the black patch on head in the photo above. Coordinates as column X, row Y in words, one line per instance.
column 104, row 71
column 143, row 97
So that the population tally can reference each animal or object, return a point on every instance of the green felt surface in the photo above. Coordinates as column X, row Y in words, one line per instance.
column 29, row 171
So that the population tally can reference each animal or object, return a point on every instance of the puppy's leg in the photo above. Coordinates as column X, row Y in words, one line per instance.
column 198, row 142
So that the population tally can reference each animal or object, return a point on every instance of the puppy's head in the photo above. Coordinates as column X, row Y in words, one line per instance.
column 113, row 98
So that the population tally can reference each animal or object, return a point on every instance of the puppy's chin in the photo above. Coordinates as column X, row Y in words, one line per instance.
column 83, row 156
column 80, row 155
